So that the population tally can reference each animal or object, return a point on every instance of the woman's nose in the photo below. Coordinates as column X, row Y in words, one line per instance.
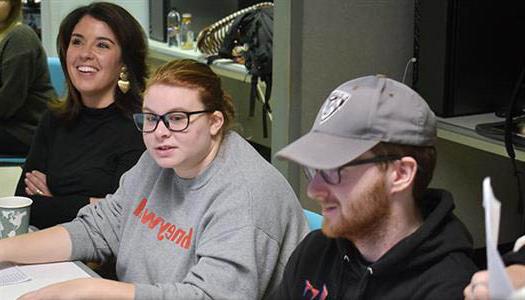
column 162, row 130
column 86, row 52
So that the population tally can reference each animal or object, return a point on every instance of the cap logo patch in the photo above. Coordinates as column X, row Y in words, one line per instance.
column 335, row 101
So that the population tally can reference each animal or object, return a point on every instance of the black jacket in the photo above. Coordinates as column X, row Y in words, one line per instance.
column 81, row 160
column 432, row 263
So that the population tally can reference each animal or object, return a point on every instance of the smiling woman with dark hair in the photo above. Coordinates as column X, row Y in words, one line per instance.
column 88, row 140
column 25, row 86
column 127, row 35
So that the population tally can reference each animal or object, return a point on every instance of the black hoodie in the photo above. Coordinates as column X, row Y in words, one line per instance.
column 517, row 257
column 432, row 263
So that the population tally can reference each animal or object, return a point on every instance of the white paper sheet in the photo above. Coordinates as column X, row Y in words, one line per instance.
column 499, row 282
column 41, row 276
column 11, row 274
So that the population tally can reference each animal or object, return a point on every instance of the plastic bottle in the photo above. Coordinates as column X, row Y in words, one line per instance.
column 186, row 32
column 173, row 28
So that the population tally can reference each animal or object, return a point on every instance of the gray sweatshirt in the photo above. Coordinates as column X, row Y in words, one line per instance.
column 226, row 234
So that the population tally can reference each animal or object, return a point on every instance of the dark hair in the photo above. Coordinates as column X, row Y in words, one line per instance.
column 193, row 74
column 132, row 41
column 426, row 161
column 14, row 13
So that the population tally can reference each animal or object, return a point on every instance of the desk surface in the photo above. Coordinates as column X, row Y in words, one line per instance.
column 462, row 130
column 45, row 274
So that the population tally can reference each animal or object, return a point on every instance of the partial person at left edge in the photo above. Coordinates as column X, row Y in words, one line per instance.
column 86, row 142
column 25, row 86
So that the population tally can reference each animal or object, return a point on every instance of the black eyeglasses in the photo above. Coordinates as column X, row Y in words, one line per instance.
column 333, row 176
column 175, row 121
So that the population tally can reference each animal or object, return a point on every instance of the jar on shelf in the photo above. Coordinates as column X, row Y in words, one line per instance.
column 173, row 28
column 186, row 32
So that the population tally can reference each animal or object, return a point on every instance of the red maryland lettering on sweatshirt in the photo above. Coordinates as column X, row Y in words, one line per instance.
column 164, row 230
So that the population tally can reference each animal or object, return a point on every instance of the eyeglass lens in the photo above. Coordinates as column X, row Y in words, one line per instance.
column 333, row 176
column 174, row 121
column 148, row 122
column 330, row 176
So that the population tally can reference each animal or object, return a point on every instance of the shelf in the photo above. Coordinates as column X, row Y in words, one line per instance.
column 462, row 130
column 223, row 67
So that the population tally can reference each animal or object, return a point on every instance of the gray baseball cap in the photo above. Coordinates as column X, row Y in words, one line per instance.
column 358, row 115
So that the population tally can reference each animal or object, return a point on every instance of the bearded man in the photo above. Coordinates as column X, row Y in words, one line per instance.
column 369, row 159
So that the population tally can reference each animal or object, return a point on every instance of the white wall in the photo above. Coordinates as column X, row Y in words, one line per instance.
column 53, row 11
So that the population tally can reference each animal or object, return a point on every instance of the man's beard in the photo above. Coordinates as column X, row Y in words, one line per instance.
column 368, row 212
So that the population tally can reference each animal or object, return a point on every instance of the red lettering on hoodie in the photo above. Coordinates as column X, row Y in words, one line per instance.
column 152, row 219
column 165, row 229
column 186, row 241
column 140, row 207
column 179, row 234
column 162, row 228
column 171, row 231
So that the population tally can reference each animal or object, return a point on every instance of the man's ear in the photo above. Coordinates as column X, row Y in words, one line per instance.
column 403, row 174
column 216, row 122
